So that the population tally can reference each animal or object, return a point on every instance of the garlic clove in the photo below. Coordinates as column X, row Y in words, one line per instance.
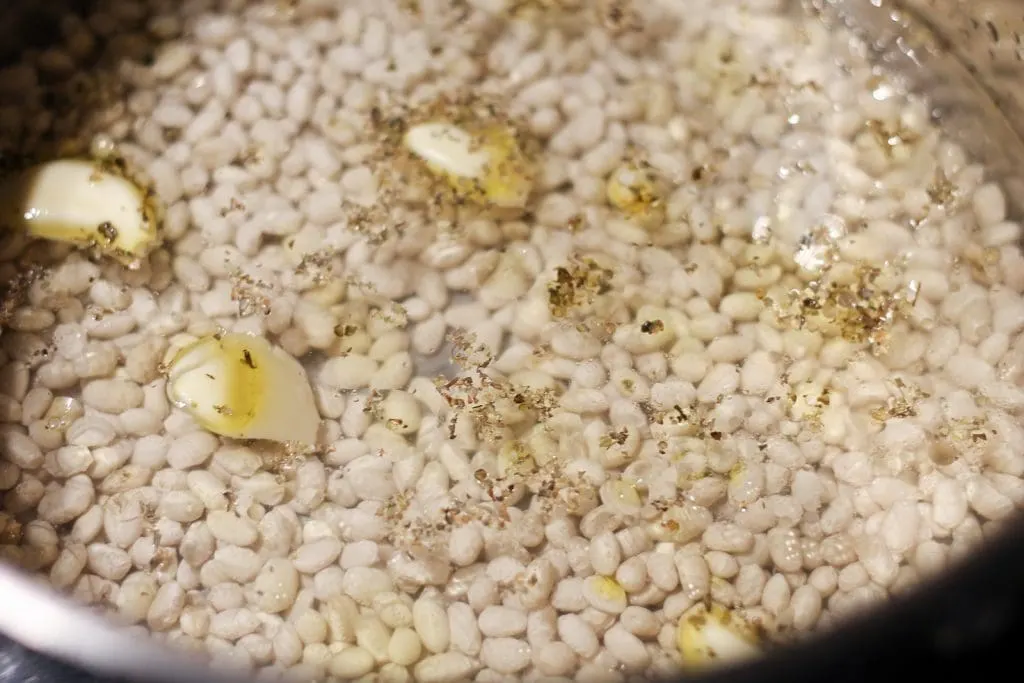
column 488, row 168
column 80, row 201
column 539, row 443
column 711, row 635
column 635, row 190
column 606, row 590
column 515, row 460
column 447, row 147
column 241, row 386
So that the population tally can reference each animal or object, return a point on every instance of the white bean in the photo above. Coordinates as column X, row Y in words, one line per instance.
column 431, row 623
column 496, row 621
column 577, row 634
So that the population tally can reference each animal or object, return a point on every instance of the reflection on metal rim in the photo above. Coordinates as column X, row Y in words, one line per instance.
column 37, row 618
column 965, row 55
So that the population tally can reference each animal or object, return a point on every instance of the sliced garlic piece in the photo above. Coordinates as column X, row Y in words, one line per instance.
column 714, row 635
column 486, row 168
column 241, row 386
column 79, row 201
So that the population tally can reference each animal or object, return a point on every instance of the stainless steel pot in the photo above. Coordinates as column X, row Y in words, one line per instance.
column 968, row 56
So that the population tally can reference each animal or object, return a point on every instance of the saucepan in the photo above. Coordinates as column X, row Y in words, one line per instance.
column 548, row 340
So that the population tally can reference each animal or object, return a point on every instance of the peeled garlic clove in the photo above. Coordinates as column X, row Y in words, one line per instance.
column 714, row 635
column 241, row 386
column 540, row 445
column 635, row 190
column 487, row 168
column 79, row 201
column 605, row 593
column 448, row 147
column 515, row 460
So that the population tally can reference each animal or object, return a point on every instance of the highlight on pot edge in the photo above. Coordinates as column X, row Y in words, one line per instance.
column 443, row 339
